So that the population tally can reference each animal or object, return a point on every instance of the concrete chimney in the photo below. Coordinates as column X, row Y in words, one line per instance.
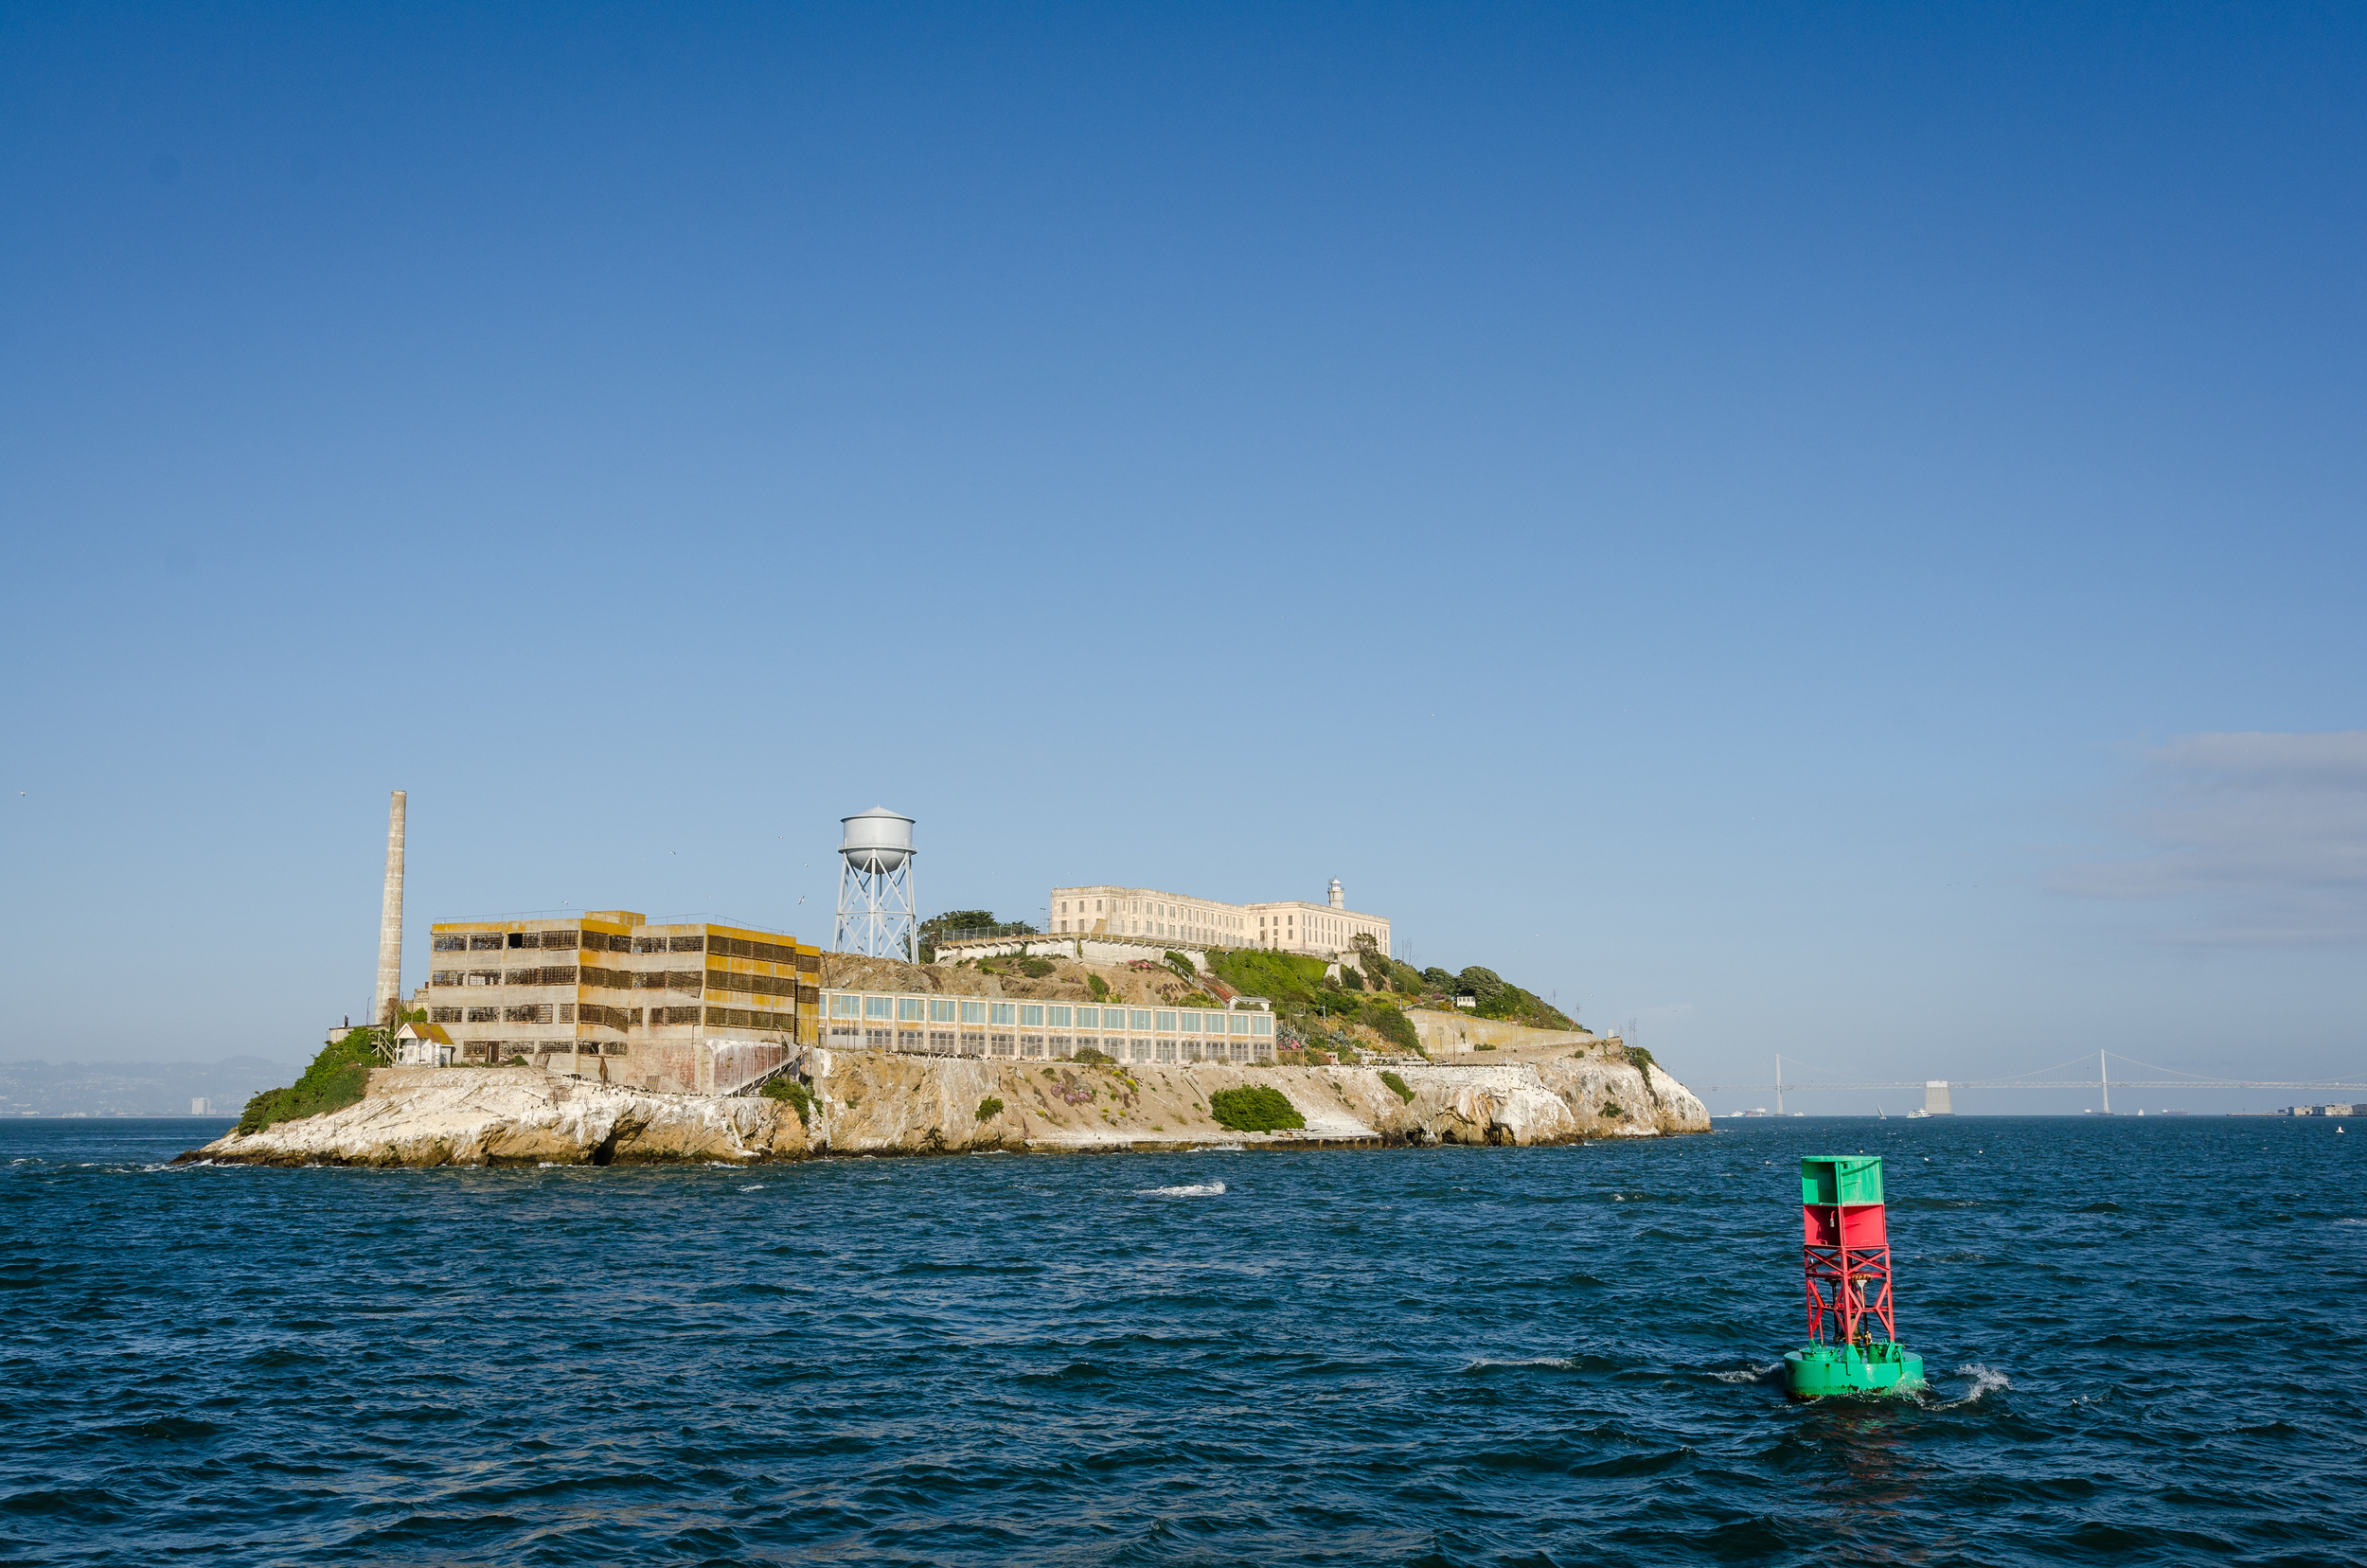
column 390, row 921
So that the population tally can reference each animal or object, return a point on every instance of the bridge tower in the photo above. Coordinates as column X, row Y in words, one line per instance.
column 1853, row 1341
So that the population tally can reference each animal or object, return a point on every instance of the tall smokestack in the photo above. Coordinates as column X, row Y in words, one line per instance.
column 390, row 921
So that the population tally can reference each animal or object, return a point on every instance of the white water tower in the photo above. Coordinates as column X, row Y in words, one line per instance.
column 876, row 913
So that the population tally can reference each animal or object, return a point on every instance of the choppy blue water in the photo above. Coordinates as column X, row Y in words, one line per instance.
column 2148, row 1337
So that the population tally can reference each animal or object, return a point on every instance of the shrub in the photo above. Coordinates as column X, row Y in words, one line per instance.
column 1613, row 1107
column 1100, row 987
column 1256, row 1109
column 1639, row 1057
column 795, row 1094
column 1351, row 978
column 1393, row 1027
column 1093, row 1058
column 989, row 1108
column 1035, row 969
column 1182, row 966
column 1398, row 1087
column 335, row 1080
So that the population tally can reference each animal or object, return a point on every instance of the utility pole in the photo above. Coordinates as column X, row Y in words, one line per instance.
column 1779, row 1083
column 2105, row 1074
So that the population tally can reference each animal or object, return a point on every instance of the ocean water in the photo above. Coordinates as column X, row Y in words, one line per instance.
column 2146, row 1337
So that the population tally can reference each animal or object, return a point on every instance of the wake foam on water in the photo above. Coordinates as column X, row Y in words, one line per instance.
column 759, row 1188
column 1986, row 1380
column 1557, row 1363
column 1750, row 1374
column 1207, row 1189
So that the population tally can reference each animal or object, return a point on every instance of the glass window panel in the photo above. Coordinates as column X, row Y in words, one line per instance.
column 908, row 1009
column 879, row 1007
column 1001, row 1012
column 1166, row 1022
column 1060, row 1018
column 1089, row 1018
column 1263, row 1024
column 1191, row 1023
column 1138, row 1018
column 973, row 1013
column 845, row 1006
column 1240, row 1023
column 1031, row 1016
column 940, row 1011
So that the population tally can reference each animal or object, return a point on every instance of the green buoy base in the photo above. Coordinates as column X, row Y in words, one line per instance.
column 1816, row 1371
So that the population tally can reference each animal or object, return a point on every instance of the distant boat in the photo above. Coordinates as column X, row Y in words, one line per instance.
column 1917, row 1112
column 1877, row 1111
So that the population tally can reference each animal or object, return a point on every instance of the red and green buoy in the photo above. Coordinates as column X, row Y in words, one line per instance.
column 1853, row 1342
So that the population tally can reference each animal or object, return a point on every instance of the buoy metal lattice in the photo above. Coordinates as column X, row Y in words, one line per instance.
column 1853, row 1337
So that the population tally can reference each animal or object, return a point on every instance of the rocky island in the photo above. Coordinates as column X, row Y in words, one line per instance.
column 1381, row 1065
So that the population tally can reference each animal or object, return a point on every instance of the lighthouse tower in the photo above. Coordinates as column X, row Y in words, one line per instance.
column 1853, row 1341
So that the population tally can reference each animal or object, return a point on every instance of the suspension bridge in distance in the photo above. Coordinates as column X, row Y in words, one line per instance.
column 1937, row 1093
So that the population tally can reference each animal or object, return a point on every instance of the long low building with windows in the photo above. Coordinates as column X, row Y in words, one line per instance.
column 991, row 1028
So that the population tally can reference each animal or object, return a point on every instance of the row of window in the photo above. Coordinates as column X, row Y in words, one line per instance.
column 615, row 1018
column 1035, row 1015
column 603, row 941
column 687, row 981
column 971, row 1042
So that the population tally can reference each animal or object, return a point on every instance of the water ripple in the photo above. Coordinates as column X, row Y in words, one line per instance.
column 1449, row 1356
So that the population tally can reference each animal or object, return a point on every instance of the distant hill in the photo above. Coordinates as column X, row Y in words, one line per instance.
column 136, row 1088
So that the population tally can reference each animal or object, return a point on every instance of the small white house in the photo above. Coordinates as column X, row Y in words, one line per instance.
column 422, row 1046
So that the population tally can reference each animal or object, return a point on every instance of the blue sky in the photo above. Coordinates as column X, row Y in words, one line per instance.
column 1821, row 530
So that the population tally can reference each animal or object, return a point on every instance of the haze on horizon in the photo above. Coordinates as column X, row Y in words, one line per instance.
column 1832, row 532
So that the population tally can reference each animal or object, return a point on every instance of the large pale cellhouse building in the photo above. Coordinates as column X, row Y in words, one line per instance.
column 1327, row 929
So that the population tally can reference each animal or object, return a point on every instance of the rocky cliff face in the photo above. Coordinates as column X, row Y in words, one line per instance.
column 518, row 1116
column 873, row 1103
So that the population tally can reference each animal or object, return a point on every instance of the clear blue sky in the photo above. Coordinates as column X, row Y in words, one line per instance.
column 1816, row 530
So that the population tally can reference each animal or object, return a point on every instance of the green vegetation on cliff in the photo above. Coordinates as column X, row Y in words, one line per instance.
column 1313, row 1005
column 335, row 1080
column 1256, row 1108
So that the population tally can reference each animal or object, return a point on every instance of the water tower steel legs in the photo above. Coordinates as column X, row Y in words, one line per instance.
column 390, row 922
column 877, row 916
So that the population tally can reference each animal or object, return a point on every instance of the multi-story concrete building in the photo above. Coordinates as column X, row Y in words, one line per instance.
column 692, row 1006
column 1327, row 929
column 990, row 1026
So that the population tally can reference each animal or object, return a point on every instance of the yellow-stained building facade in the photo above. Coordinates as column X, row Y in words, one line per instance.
column 688, row 1007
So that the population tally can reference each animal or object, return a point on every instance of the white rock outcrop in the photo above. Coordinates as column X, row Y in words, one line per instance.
column 875, row 1103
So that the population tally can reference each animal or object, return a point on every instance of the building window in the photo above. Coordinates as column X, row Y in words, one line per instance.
column 974, row 1042
column 845, row 1006
column 1167, row 1050
column 879, row 1007
column 1060, row 1018
column 973, row 1013
column 1166, row 1024
column 941, row 1039
column 999, row 1044
column 1031, row 1016
column 1031, row 1045
column 1001, row 1012
column 908, row 1009
column 908, row 1039
column 940, row 1011
column 1138, row 1019
column 1089, row 1018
